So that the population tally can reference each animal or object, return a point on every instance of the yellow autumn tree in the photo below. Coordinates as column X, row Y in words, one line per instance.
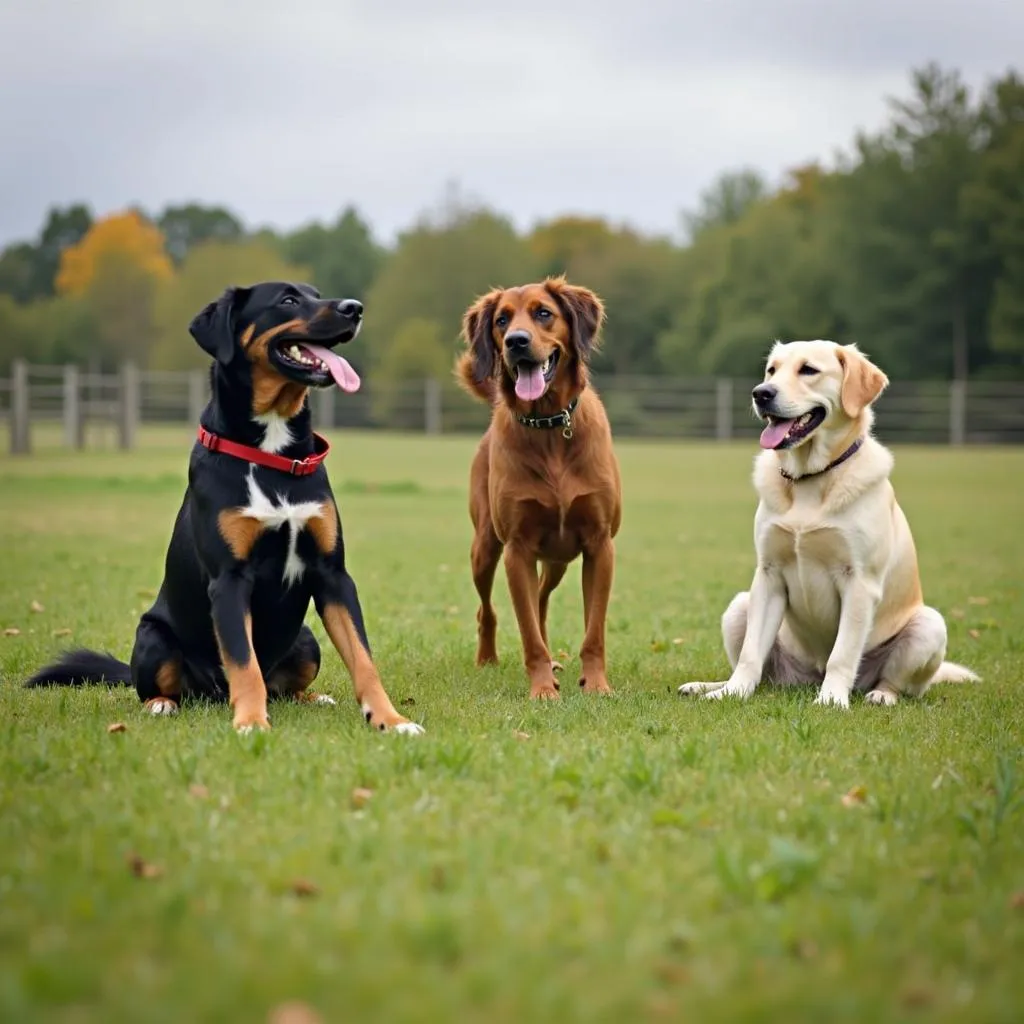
column 127, row 236
column 115, row 271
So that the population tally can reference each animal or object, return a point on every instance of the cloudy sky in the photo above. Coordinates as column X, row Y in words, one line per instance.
column 287, row 110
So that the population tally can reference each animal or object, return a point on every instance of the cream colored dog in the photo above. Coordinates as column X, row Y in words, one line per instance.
column 836, row 597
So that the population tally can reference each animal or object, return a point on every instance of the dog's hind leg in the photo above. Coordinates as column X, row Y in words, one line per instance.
column 909, row 663
column 295, row 672
column 157, row 668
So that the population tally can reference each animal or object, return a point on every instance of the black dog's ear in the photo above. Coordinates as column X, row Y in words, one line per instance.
column 477, row 328
column 214, row 326
column 582, row 308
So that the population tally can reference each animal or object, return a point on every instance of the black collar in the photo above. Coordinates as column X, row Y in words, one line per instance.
column 561, row 419
column 848, row 454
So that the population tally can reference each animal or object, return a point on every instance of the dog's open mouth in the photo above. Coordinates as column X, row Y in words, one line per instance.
column 314, row 365
column 786, row 433
column 533, row 379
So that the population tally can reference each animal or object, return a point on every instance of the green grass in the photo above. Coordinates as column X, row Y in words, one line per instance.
column 641, row 857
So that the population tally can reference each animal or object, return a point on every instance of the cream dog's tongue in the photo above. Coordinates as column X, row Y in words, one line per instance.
column 775, row 433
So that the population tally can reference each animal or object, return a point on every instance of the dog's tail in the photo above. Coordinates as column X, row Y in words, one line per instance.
column 466, row 377
column 951, row 672
column 82, row 667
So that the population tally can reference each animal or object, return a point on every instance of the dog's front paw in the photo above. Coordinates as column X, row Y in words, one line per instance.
column 387, row 719
column 696, row 689
column 595, row 682
column 831, row 696
column 245, row 723
column 741, row 690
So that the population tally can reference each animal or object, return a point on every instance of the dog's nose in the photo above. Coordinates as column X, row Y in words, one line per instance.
column 517, row 340
column 764, row 394
column 351, row 309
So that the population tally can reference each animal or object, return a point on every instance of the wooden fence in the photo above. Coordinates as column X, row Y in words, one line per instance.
column 910, row 412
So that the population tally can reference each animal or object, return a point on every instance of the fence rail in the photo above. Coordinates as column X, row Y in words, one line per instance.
column 910, row 412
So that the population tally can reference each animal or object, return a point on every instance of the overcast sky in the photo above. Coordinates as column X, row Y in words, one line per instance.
column 287, row 110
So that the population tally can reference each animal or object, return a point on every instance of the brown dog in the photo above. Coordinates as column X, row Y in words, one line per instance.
column 544, row 485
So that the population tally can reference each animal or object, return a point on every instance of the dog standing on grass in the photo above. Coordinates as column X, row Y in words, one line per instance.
column 544, row 484
column 258, row 534
column 836, row 598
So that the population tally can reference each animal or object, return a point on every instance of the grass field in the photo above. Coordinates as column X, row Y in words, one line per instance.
column 635, row 858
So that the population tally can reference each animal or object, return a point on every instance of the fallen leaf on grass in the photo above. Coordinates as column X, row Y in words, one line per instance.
column 12, row 631
column 977, row 600
column 855, row 797
column 198, row 790
column 659, row 646
column 973, row 634
column 117, row 727
column 407, row 702
column 146, row 593
column 294, row 1013
column 677, row 640
column 957, row 613
column 143, row 869
column 35, row 606
column 1017, row 901
column 519, row 735
column 361, row 797
column 62, row 632
column 304, row 888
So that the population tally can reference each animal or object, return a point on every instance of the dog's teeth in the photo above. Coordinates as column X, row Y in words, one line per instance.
column 545, row 365
column 294, row 352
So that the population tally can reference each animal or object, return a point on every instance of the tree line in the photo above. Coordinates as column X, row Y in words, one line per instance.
column 912, row 245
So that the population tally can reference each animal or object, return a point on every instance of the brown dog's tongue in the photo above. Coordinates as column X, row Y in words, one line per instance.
column 344, row 376
column 775, row 433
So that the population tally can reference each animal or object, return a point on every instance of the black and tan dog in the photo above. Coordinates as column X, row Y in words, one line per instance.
column 258, row 534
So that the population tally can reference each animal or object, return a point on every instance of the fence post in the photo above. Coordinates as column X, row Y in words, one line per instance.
column 129, row 418
column 723, row 409
column 74, row 435
column 432, row 405
column 196, row 394
column 21, row 443
column 957, row 412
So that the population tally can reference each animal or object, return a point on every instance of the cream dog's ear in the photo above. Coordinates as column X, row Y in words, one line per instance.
column 863, row 382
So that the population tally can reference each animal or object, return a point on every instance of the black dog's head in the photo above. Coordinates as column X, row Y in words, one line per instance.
column 284, row 334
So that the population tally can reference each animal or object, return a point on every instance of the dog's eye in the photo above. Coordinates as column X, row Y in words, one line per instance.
column 543, row 314
column 289, row 300
column 770, row 371
column 501, row 320
column 807, row 370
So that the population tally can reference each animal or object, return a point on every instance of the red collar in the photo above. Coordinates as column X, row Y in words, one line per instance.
column 297, row 467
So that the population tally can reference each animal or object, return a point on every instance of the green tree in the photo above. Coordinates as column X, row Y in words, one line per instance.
column 184, row 227
column 725, row 201
column 343, row 258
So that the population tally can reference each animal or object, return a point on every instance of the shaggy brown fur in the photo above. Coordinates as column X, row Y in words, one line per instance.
column 535, row 493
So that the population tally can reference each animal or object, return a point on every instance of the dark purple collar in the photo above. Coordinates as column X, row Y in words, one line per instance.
column 848, row 454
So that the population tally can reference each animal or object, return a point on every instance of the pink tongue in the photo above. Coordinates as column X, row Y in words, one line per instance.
column 529, row 383
column 775, row 433
column 344, row 376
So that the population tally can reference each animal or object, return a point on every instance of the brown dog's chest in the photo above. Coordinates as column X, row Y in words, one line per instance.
column 555, row 522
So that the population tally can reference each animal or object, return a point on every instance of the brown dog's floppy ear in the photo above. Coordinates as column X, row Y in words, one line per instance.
column 583, row 309
column 214, row 326
column 863, row 382
column 477, row 328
